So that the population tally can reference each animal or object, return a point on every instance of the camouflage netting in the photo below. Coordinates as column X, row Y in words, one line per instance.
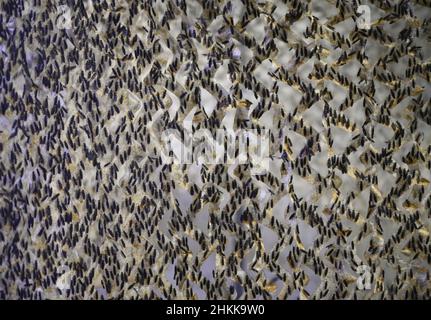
column 340, row 208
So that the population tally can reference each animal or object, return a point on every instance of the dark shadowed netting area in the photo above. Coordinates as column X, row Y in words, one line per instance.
column 242, row 149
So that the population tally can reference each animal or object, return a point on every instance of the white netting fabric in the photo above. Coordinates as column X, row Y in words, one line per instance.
column 339, row 208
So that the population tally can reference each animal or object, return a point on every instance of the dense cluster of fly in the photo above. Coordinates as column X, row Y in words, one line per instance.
column 88, row 208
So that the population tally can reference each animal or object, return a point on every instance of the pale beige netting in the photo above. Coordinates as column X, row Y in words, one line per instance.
column 339, row 208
